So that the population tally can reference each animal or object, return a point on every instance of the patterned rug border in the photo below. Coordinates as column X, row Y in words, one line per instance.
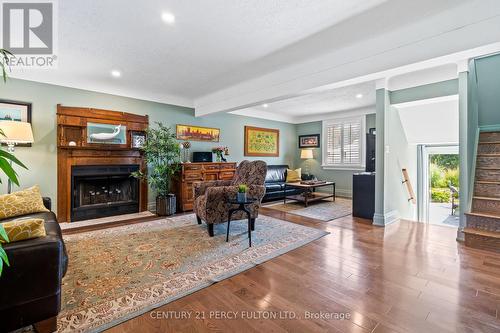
column 218, row 277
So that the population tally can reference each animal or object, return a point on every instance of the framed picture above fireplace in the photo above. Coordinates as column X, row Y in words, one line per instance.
column 106, row 134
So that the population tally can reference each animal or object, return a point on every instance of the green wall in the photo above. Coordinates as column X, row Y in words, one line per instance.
column 342, row 178
column 41, row 158
column 487, row 76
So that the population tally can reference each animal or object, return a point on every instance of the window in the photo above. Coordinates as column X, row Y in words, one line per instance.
column 343, row 146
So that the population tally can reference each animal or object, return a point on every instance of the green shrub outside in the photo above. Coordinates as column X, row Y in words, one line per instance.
column 440, row 195
column 440, row 178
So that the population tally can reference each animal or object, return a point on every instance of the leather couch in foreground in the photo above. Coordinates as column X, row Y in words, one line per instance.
column 30, row 289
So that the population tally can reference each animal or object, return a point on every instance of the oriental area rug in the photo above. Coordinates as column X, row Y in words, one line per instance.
column 118, row 273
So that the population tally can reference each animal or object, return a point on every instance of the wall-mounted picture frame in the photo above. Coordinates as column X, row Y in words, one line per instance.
column 309, row 141
column 263, row 142
column 197, row 133
column 137, row 139
column 16, row 111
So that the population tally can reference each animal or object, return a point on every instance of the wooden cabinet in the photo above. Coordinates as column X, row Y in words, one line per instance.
column 195, row 172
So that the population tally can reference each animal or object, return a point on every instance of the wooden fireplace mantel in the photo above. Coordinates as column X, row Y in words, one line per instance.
column 72, row 126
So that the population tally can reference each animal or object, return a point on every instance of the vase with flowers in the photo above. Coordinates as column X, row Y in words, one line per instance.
column 219, row 151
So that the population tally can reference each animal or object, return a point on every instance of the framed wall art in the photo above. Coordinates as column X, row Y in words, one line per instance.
column 137, row 139
column 13, row 110
column 197, row 133
column 309, row 141
column 262, row 141
column 16, row 111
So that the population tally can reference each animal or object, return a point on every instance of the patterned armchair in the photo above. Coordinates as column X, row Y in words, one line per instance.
column 211, row 197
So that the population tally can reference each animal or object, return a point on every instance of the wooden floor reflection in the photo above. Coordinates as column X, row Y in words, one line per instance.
column 408, row 277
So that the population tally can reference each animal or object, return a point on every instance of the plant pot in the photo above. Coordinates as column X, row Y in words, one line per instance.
column 242, row 197
column 165, row 205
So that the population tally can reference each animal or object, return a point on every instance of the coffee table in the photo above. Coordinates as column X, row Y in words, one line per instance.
column 309, row 193
column 242, row 206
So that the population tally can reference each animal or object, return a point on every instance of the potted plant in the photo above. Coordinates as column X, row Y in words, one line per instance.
column 6, row 160
column 242, row 193
column 4, row 61
column 162, row 154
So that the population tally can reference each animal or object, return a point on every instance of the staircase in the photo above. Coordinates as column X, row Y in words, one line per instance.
column 483, row 222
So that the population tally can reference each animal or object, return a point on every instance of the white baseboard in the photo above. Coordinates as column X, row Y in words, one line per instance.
column 382, row 220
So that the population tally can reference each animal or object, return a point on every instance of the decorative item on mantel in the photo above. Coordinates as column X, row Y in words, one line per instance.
column 106, row 133
column 185, row 151
column 218, row 151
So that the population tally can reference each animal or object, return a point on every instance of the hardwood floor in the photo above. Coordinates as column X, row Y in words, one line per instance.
column 408, row 277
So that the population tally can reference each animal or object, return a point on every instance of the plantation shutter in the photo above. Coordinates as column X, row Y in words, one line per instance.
column 352, row 143
column 344, row 142
column 334, row 146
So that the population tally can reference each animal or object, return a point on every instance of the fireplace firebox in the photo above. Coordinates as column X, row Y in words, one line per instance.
column 100, row 191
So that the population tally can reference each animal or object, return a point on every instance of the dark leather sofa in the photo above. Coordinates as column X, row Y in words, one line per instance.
column 275, row 183
column 30, row 289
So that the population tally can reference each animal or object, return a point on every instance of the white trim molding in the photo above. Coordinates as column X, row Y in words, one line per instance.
column 382, row 220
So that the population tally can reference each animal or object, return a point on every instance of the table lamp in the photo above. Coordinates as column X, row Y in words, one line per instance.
column 15, row 132
column 306, row 154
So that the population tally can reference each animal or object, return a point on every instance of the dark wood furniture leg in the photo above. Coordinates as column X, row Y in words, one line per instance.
column 46, row 326
column 198, row 219
column 334, row 192
column 284, row 194
column 251, row 222
column 229, row 214
column 210, row 230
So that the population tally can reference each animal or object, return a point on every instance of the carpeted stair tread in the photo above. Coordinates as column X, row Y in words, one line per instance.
column 489, row 143
column 488, row 155
column 487, row 182
column 484, row 233
column 486, row 198
column 487, row 215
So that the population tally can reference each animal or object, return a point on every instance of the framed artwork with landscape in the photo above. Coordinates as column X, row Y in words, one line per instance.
column 309, row 141
column 16, row 111
column 197, row 133
column 262, row 141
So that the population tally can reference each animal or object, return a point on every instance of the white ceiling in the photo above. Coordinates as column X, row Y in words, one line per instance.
column 179, row 63
column 431, row 123
column 322, row 104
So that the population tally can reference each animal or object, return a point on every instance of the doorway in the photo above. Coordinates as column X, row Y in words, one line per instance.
column 439, row 185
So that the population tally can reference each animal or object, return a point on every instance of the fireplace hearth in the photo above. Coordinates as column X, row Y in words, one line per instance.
column 103, row 190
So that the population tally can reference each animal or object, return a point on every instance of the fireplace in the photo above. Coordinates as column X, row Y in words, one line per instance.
column 103, row 190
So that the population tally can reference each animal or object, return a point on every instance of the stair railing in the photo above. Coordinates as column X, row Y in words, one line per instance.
column 409, row 187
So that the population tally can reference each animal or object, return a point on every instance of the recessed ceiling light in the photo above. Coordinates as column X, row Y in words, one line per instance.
column 265, row 105
column 359, row 95
column 168, row 18
column 116, row 73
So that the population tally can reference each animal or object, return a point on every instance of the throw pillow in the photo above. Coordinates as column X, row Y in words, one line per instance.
column 293, row 176
column 22, row 229
column 22, row 202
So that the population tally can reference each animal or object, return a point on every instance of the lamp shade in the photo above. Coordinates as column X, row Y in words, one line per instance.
column 16, row 132
column 306, row 153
